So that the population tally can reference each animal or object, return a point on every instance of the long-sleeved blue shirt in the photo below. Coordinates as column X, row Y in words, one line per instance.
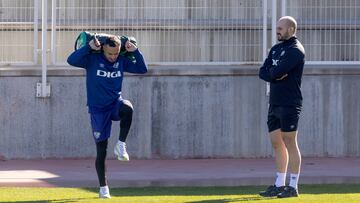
column 285, row 58
column 103, row 78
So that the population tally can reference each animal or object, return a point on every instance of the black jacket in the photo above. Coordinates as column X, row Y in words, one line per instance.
column 287, row 57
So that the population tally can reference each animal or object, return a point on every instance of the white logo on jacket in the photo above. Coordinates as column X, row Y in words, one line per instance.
column 115, row 74
column 275, row 62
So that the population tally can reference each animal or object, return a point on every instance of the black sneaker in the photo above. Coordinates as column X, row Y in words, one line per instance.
column 288, row 192
column 272, row 191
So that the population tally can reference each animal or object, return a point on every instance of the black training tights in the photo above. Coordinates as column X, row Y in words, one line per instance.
column 125, row 112
column 101, row 148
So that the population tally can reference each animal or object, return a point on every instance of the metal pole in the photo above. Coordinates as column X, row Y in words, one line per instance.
column 36, row 31
column 43, row 48
column 283, row 7
column 264, row 29
column 273, row 22
column 273, row 34
column 53, row 32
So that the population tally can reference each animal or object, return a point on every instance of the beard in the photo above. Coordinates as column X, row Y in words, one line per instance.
column 283, row 37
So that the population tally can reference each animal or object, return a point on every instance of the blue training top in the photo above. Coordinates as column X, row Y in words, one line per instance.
column 287, row 57
column 103, row 78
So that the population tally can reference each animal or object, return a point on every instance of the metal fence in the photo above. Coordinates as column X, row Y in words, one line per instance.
column 329, row 29
column 169, row 30
column 184, row 31
column 18, row 31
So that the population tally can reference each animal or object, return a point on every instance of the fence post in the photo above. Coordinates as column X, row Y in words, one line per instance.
column 273, row 22
column 53, row 31
column 273, row 34
column 265, row 7
column 283, row 7
column 36, row 31
column 43, row 89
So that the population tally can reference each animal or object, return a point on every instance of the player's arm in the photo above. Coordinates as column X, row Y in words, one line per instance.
column 282, row 77
column 264, row 72
column 139, row 66
column 79, row 57
column 290, row 60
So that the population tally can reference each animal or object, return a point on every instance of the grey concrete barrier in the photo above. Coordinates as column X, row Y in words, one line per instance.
column 180, row 112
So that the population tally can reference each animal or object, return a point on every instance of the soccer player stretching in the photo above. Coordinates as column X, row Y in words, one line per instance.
column 104, row 75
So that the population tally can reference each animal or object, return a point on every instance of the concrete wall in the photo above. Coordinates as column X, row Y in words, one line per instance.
column 180, row 112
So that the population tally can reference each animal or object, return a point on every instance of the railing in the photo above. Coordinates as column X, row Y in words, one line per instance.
column 330, row 30
column 18, row 32
column 184, row 32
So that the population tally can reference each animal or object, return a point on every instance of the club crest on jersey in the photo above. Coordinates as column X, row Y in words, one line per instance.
column 275, row 62
column 116, row 65
column 97, row 135
column 108, row 74
column 101, row 65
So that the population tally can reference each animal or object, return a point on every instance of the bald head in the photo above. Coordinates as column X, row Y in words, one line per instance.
column 289, row 21
column 286, row 28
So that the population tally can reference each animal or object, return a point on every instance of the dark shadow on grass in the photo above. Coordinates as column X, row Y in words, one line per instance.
column 42, row 201
column 228, row 200
column 250, row 191
column 329, row 189
column 184, row 191
column 240, row 190
column 57, row 201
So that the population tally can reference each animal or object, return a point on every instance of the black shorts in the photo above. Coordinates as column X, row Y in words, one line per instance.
column 285, row 118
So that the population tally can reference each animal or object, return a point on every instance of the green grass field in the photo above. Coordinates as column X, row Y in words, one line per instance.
column 308, row 193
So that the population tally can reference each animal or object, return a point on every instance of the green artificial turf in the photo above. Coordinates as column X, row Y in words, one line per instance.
column 308, row 193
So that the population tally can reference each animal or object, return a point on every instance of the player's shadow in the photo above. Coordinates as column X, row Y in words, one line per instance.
column 228, row 200
column 251, row 191
column 184, row 191
column 59, row 200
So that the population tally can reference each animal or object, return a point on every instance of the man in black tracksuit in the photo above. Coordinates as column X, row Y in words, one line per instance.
column 283, row 69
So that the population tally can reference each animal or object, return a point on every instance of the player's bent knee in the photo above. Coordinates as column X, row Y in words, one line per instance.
column 127, row 109
column 128, row 104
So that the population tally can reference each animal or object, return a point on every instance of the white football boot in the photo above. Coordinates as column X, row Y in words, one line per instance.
column 120, row 151
column 104, row 192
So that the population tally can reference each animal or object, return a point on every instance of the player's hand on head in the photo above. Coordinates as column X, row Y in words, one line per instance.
column 130, row 47
column 95, row 44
